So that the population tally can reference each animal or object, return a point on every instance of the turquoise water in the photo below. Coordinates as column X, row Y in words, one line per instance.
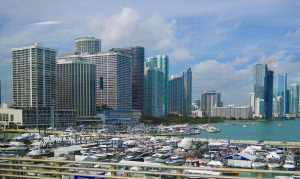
column 262, row 130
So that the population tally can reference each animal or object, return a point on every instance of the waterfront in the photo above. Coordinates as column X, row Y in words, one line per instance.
column 262, row 130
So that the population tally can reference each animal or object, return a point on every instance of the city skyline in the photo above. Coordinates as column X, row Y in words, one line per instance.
column 235, row 35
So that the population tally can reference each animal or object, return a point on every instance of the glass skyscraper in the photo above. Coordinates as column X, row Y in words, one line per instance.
column 294, row 100
column 161, row 62
column 154, row 96
column 180, row 93
column 137, row 55
column 282, row 91
column 263, row 87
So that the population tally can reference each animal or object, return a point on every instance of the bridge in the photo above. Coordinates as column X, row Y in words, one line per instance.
column 43, row 168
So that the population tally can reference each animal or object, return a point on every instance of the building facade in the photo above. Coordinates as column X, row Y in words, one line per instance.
column 282, row 91
column 237, row 112
column 113, row 79
column 210, row 99
column 76, row 86
column 87, row 45
column 161, row 62
column 180, row 93
column 252, row 103
column 259, row 108
column 154, row 92
column 137, row 55
column 294, row 100
column 176, row 95
column 33, row 73
column 10, row 116
column 263, row 87
column 278, row 109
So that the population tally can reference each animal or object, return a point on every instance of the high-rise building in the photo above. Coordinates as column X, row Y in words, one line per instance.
column 113, row 79
column 294, row 100
column 263, row 87
column 87, row 45
column 278, row 106
column 34, row 87
column 76, row 86
column 154, row 92
column 196, row 105
column 137, row 55
column 282, row 91
column 176, row 95
column 161, row 62
column 33, row 76
column 210, row 99
column 260, row 80
column 252, row 103
column 269, row 95
column 180, row 93
column 259, row 108
column 231, row 111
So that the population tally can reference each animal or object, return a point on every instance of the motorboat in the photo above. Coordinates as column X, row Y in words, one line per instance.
column 289, row 163
column 36, row 151
column 13, row 148
column 275, row 164
column 203, row 127
column 244, row 126
column 259, row 163
column 212, row 129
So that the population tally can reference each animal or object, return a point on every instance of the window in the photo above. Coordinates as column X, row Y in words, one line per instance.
column 101, row 83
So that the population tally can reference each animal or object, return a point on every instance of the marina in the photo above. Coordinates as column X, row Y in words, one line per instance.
column 135, row 146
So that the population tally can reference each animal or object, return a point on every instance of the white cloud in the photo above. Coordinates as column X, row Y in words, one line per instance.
column 234, row 79
column 181, row 54
column 127, row 28
column 46, row 23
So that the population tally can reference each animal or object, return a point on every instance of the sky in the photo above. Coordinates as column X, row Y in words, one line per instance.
column 220, row 40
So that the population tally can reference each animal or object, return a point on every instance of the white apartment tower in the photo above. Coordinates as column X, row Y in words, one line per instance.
column 33, row 76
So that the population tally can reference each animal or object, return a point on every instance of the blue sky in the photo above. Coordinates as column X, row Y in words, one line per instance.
column 220, row 40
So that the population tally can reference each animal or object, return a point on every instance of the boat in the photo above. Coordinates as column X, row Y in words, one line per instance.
column 289, row 163
column 279, row 125
column 13, row 148
column 244, row 126
column 259, row 163
column 274, row 164
column 203, row 127
column 36, row 151
column 212, row 129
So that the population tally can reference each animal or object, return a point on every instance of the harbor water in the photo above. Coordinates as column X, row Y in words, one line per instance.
column 285, row 130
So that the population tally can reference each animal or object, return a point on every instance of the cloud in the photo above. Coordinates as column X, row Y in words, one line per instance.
column 294, row 33
column 181, row 54
column 46, row 23
column 127, row 28
column 234, row 79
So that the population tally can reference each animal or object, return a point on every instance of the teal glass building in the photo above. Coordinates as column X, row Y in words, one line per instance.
column 294, row 100
column 282, row 91
column 161, row 62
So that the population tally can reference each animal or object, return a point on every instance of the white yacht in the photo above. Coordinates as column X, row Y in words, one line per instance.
column 289, row 163
column 259, row 163
column 36, row 151
column 13, row 148
column 212, row 129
